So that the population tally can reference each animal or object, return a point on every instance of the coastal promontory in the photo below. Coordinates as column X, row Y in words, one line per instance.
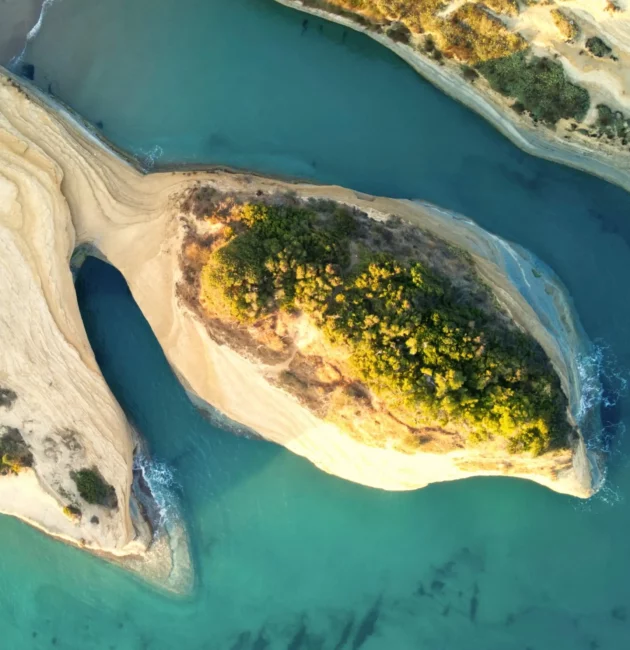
column 389, row 342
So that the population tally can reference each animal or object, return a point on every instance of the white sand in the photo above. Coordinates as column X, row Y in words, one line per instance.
column 63, row 409
column 133, row 220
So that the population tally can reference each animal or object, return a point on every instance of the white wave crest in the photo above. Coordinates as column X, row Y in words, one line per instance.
column 148, row 157
column 603, row 385
column 160, row 480
column 17, row 60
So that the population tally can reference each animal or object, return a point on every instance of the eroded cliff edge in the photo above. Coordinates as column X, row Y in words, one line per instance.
column 66, row 448
column 146, row 226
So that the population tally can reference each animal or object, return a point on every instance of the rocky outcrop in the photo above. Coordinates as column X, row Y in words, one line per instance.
column 136, row 221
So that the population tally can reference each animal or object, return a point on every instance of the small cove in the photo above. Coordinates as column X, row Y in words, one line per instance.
column 285, row 554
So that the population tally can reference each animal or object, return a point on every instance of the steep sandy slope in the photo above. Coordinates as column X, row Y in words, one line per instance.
column 54, row 393
column 136, row 221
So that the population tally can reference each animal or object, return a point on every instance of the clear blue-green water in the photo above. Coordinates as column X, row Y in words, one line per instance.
column 285, row 556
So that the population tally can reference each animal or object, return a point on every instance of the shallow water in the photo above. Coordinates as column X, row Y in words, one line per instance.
column 283, row 552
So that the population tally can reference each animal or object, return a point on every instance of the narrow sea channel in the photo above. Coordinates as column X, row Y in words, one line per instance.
column 286, row 556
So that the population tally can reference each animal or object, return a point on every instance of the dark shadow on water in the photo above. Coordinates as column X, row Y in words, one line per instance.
column 205, row 459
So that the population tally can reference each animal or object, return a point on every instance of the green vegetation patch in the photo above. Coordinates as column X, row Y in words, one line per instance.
column 14, row 452
column 470, row 33
column 540, row 85
column 7, row 397
column 72, row 512
column 411, row 338
column 612, row 124
column 93, row 488
column 597, row 47
column 509, row 7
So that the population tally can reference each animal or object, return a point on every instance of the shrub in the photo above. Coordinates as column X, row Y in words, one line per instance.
column 539, row 84
column 611, row 123
column 509, row 7
column 472, row 35
column 399, row 33
column 93, row 488
column 566, row 25
column 72, row 512
column 597, row 47
column 470, row 74
column 14, row 452
column 7, row 397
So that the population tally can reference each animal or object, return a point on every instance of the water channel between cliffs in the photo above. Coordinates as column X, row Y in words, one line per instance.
column 286, row 556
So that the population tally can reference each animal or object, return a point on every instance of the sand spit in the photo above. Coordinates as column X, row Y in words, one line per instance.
column 134, row 220
column 564, row 145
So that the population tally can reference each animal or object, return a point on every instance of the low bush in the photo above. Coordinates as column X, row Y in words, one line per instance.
column 597, row 47
column 566, row 25
column 93, row 488
column 539, row 84
column 399, row 33
column 611, row 123
column 72, row 512
column 7, row 397
column 470, row 74
column 470, row 33
column 14, row 452
column 509, row 7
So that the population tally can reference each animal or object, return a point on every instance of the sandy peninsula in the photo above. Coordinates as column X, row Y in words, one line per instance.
column 65, row 186
column 53, row 398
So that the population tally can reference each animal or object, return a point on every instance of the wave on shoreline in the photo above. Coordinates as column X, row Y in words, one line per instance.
column 17, row 60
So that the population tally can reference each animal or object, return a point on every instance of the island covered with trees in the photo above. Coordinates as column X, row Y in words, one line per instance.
column 380, row 327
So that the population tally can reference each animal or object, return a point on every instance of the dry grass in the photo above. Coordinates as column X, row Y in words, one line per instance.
column 566, row 25
column 470, row 34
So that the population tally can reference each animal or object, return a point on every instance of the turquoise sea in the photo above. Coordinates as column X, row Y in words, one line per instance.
column 285, row 556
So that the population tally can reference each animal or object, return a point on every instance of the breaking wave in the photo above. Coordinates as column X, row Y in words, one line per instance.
column 603, row 386
column 149, row 157
column 161, row 482
column 17, row 60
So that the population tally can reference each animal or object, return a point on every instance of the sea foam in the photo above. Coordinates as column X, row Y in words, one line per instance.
column 14, row 64
column 160, row 480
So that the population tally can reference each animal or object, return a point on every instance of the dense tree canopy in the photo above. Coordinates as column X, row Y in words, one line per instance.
column 410, row 340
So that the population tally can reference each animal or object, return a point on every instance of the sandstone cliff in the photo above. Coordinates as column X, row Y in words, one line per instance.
column 142, row 225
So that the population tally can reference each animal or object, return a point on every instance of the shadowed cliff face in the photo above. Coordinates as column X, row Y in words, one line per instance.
column 17, row 17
